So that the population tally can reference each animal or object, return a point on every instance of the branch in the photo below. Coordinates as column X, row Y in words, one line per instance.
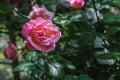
column 96, row 11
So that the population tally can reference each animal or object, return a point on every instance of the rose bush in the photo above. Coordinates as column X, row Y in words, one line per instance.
column 41, row 34
column 87, row 50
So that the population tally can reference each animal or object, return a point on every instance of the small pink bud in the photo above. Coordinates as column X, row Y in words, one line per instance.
column 76, row 3
column 10, row 52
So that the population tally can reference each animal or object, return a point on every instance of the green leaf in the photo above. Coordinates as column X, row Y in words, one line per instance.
column 70, row 66
column 73, row 43
column 38, row 73
column 84, row 77
column 112, row 55
column 25, row 67
column 31, row 56
column 69, row 77
column 76, row 17
column 55, row 70
column 116, row 3
column 112, row 20
column 40, row 63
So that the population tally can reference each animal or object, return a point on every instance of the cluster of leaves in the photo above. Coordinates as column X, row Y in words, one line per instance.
column 48, row 66
column 75, row 56
column 41, row 66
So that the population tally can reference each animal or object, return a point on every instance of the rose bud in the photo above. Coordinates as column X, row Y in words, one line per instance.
column 76, row 3
column 10, row 52
column 41, row 34
column 40, row 12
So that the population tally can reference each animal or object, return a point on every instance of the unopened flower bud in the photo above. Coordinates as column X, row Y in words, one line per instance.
column 10, row 52
column 76, row 3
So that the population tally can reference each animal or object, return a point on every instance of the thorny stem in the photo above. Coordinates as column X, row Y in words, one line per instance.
column 98, row 17
column 98, row 20
column 96, row 11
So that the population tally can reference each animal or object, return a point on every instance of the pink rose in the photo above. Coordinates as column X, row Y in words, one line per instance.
column 41, row 34
column 76, row 3
column 40, row 12
column 10, row 52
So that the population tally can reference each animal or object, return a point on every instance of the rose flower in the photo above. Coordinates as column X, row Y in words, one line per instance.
column 41, row 34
